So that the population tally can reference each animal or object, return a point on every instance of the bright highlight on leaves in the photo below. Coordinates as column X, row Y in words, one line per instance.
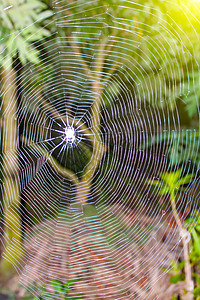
column 172, row 181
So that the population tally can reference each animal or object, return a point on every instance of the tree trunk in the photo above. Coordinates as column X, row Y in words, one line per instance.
column 83, row 190
column 12, row 251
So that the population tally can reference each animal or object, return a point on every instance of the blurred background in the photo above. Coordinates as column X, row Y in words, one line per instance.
column 99, row 127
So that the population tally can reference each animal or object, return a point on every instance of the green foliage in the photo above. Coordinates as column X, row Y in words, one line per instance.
column 181, row 146
column 193, row 224
column 177, row 272
column 60, row 290
column 20, row 26
column 191, row 97
column 185, row 147
column 197, row 287
column 171, row 182
column 179, row 56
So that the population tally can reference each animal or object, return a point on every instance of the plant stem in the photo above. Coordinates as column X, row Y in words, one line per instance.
column 184, row 235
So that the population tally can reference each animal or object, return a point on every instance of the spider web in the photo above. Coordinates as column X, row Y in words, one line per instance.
column 101, row 122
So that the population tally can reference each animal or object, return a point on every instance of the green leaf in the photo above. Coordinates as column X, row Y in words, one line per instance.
column 196, row 292
column 164, row 190
column 44, row 15
column 181, row 265
column 196, row 239
column 154, row 182
column 186, row 179
column 11, row 45
column 22, row 46
column 189, row 220
column 57, row 285
column 197, row 278
column 69, row 284
column 176, row 278
column 192, row 105
column 33, row 56
column 174, row 266
column 26, row 51
column 45, row 293
column 4, row 34
column 7, row 62
column 32, row 33
column 171, row 178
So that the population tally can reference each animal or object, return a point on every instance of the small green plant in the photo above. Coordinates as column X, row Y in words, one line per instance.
column 177, row 270
column 59, row 290
column 170, row 183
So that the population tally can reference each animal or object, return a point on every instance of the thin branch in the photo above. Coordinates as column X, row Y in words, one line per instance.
column 63, row 171
column 99, row 150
